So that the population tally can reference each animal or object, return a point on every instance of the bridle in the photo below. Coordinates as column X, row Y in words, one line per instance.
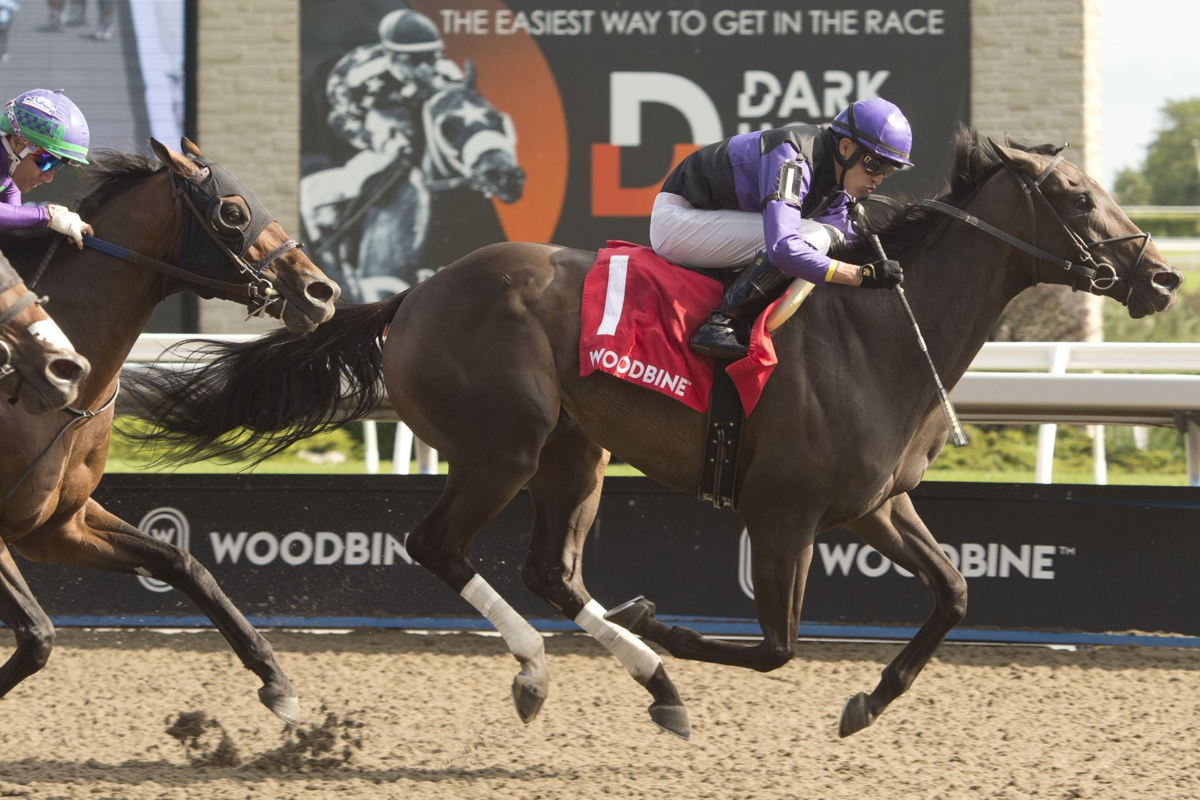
column 1100, row 275
column 205, row 187
column 6, row 355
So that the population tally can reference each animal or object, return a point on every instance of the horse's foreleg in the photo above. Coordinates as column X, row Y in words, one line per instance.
column 30, row 625
column 566, row 494
column 780, row 558
column 98, row 539
column 440, row 543
column 897, row 532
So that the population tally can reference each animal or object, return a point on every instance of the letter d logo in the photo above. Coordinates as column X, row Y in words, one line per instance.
column 167, row 525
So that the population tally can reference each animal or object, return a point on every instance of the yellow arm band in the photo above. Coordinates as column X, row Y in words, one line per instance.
column 833, row 265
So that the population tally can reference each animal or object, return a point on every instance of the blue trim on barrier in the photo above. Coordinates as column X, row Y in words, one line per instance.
column 709, row 625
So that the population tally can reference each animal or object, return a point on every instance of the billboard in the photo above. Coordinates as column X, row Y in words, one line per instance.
column 601, row 100
column 320, row 551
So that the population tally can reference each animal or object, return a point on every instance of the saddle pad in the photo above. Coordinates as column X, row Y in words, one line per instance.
column 638, row 312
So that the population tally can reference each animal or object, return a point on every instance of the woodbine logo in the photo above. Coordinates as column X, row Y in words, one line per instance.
column 612, row 362
column 973, row 560
column 167, row 525
column 320, row 548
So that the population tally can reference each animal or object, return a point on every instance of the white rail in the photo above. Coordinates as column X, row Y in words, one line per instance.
column 1041, row 389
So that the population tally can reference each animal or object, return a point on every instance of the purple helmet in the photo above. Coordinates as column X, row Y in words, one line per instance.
column 48, row 120
column 879, row 126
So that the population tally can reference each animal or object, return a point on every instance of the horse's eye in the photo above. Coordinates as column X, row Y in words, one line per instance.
column 231, row 214
column 1084, row 202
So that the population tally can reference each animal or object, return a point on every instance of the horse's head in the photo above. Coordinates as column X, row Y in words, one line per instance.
column 230, row 237
column 1072, row 217
column 467, row 141
column 38, row 365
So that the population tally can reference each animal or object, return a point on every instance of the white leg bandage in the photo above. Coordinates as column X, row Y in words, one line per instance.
column 523, row 641
column 638, row 658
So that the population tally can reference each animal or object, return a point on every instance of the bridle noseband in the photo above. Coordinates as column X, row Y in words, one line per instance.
column 1100, row 275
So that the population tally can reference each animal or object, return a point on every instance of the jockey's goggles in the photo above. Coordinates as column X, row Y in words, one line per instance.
column 874, row 165
column 46, row 161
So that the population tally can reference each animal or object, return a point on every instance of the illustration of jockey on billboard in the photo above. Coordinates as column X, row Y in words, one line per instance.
column 419, row 126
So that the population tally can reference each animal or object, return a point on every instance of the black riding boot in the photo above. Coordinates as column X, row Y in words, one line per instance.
column 726, row 332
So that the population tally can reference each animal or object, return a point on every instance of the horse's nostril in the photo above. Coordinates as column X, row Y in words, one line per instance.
column 320, row 291
column 67, row 369
column 1168, row 279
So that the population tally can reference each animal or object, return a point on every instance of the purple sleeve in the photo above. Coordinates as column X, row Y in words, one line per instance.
column 781, row 221
column 13, row 215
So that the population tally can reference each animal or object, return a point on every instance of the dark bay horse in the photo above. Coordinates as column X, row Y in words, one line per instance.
column 186, row 224
column 38, row 364
column 482, row 362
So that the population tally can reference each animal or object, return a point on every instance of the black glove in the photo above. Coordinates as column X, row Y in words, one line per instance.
column 882, row 274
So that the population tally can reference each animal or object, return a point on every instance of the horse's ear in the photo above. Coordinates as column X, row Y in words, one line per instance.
column 173, row 161
column 189, row 146
column 471, row 75
column 1002, row 153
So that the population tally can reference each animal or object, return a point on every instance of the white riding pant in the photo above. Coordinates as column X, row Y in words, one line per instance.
column 720, row 238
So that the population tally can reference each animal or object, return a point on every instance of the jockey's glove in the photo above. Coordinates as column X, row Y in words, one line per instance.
column 68, row 223
column 882, row 274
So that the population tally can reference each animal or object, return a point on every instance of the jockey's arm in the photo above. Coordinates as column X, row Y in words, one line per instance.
column 784, row 181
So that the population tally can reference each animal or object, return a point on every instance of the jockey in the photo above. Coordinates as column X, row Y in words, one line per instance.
column 788, row 190
column 376, row 92
column 40, row 131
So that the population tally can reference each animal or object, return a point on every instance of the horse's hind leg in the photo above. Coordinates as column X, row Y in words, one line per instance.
column 566, row 494
column 897, row 532
column 781, row 552
column 440, row 542
column 98, row 539
column 30, row 625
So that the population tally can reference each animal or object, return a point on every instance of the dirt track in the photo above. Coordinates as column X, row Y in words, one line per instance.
column 435, row 721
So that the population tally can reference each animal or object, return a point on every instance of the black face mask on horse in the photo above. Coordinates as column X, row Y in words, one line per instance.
column 226, row 220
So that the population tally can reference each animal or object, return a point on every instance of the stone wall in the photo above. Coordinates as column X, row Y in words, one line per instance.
column 1030, row 77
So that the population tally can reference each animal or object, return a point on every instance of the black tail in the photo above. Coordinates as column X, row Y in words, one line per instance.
column 253, row 399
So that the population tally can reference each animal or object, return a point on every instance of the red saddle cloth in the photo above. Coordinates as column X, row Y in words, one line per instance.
column 639, row 311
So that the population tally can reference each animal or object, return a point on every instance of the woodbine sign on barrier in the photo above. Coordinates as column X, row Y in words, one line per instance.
column 1043, row 563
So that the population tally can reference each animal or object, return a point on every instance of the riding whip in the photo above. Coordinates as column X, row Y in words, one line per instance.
column 957, row 435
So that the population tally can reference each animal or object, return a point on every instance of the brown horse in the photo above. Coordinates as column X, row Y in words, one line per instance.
column 482, row 362
column 216, row 238
column 38, row 364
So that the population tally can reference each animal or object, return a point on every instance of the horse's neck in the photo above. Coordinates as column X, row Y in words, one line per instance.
column 957, row 291
column 103, row 303
column 963, row 279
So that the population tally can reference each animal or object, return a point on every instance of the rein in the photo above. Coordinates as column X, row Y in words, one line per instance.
column 1100, row 275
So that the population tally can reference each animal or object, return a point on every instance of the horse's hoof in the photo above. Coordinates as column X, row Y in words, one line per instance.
column 672, row 719
column 528, row 696
column 856, row 715
column 633, row 614
column 284, row 703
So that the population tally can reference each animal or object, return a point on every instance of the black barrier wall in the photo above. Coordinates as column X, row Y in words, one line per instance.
column 323, row 549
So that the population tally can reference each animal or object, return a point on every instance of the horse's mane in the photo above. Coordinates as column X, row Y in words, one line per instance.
column 109, row 174
column 975, row 160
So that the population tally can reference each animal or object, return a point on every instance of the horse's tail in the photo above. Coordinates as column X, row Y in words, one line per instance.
column 251, row 400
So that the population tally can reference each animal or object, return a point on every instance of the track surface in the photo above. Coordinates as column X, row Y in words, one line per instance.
column 437, row 722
